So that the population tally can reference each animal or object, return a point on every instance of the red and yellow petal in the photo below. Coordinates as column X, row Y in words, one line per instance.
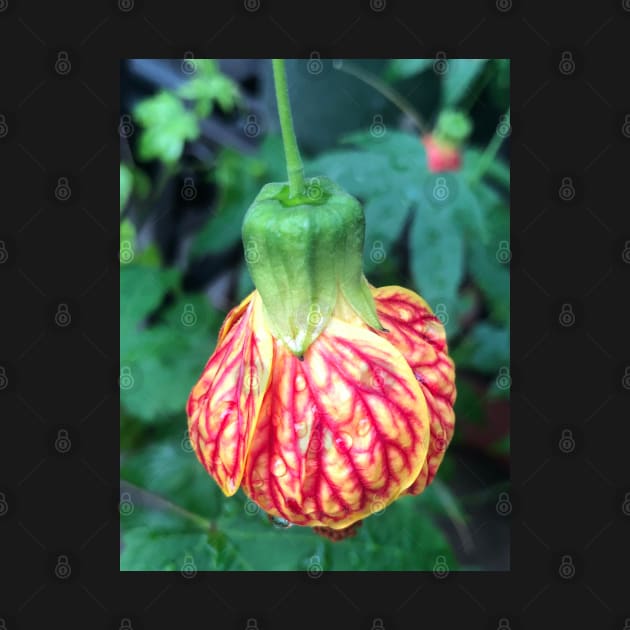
column 420, row 336
column 224, row 405
column 340, row 434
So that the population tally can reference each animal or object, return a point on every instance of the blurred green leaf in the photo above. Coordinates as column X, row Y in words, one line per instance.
column 437, row 255
column 171, row 470
column 405, row 68
column 468, row 405
column 167, row 126
column 490, row 274
column 459, row 78
column 485, row 349
column 147, row 549
column 126, row 184
column 402, row 538
column 209, row 86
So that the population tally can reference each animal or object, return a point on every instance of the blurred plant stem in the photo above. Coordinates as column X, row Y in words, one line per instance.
column 295, row 170
column 387, row 91
column 157, row 502
column 490, row 151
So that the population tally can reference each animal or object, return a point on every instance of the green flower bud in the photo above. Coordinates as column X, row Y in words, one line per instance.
column 303, row 253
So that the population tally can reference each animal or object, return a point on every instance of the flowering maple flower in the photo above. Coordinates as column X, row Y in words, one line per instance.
column 441, row 156
column 326, row 398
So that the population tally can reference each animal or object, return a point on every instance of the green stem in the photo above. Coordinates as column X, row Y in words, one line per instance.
column 387, row 91
column 295, row 170
column 490, row 152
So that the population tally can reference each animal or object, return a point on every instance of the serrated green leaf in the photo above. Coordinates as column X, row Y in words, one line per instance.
column 459, row 78
column 167, row 126
column 146, row 549
column 485, row 349
column 401, row 538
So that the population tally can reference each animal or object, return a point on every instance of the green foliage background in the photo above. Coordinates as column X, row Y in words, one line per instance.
column 449, row 249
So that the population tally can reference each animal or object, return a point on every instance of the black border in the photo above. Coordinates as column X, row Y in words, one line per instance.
column 564, row 252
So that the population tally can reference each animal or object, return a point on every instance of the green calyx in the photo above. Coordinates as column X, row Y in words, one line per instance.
column 452, row 128
column 303, row 253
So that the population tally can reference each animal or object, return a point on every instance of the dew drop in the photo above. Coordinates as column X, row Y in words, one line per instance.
column 278, row 467
column 363, row 427
column 344, row 440
column 280, row 523
column 300, row 383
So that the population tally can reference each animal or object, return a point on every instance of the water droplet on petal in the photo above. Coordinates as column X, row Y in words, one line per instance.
column 280, row 523
column 278, row 467
column 344, row 440
column 363, row 427
column 300, row 383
